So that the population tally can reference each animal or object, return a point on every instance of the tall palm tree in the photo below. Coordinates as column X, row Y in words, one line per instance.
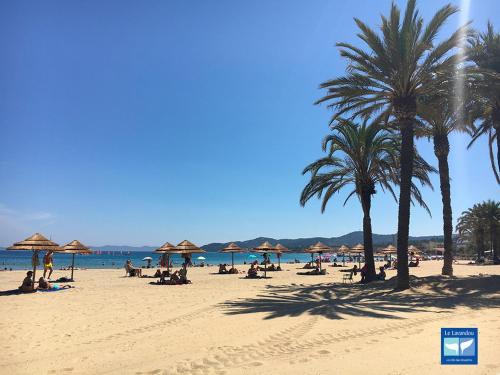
column 439, row 115
column 398, row 67
column 370, row 158
column 484, row 51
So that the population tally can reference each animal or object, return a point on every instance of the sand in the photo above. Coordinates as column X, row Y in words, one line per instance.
column 222, row 324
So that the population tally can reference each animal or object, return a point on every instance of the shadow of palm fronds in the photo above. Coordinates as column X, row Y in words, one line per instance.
column 377, row 299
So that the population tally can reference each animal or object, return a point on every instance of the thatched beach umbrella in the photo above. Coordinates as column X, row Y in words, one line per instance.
column 265, row 248
column 35, row 243
column 232, row 248
column 167, row 248
column 358, row 249
column 186, row 248
column 389, row 250
column 281, row 249
column 75, row 247
column 319, row 248
column 343, row 249
column 413, row 250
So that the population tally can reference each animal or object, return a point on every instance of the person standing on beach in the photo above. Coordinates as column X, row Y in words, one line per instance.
column 47, row 263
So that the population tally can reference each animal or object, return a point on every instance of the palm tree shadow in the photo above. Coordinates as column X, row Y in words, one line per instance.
column 377, row 300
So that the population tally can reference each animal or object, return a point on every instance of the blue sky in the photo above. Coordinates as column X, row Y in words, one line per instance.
column 144, row 122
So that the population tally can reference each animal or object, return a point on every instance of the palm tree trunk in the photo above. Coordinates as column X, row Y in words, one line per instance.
column 407, row 155
column 366, row 197
column 496, row 243
column 497, row 129
column 441, row 150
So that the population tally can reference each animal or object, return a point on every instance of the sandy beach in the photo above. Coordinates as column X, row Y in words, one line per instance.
column 222, row 324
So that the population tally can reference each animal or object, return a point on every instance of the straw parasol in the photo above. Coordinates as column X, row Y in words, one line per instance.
column 281, row 249
column 358, row 249
column 186, row 248
column 389, row 250
column 167, row 248
column 35, row 243
column 319, row 248
column 75, row 247
column 343, row 249
column 232, row 248
column 414, row 249
column 265, row 248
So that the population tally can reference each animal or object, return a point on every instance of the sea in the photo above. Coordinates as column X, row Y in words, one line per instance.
column 21, row 260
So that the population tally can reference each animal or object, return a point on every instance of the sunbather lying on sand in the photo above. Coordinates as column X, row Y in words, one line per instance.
column 315, row 271
column 45, row 285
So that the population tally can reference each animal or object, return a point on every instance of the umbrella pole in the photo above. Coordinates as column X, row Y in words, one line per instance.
column 34, row 270
column 72, row 266
column 279, row 260
column 265, row 265
column 232, row 260
column 319, row 262
column 343, row 259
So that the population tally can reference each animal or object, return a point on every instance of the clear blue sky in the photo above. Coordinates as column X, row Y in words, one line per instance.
column 131, row 122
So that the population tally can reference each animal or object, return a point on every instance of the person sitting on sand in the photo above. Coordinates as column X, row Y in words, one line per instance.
column 381, row 275
column 27, row 285
column 272, row 267
column 252, row 271
column 364, row 271
column 157, row 273
column 223, row 269
column 414, row 264
column 183, row 275
column 45, row 285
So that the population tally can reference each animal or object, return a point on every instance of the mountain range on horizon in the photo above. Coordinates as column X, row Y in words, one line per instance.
column 349, row 239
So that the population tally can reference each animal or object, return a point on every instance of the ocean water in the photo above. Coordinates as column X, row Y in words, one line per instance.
column 21, row 260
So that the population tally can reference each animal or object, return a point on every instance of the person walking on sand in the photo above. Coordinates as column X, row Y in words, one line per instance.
column 47, row 263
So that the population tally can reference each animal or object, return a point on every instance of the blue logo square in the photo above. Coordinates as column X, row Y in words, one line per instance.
column 459, row 346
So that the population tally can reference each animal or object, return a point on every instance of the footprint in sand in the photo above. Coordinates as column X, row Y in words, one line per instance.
column 323, row 352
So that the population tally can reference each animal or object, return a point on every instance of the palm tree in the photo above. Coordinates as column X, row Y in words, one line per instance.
column 370, row 158
column 399, row 67
column 470, row 229
column 484, row 51
column 490, row 212
column 440, row 115
column 478, row 221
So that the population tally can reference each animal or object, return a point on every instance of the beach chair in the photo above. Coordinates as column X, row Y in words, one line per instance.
column 347, row 277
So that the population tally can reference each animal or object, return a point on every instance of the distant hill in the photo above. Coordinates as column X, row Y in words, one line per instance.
column 349, row 239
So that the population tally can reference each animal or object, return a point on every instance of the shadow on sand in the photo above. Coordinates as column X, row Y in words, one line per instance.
column 377, row 299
